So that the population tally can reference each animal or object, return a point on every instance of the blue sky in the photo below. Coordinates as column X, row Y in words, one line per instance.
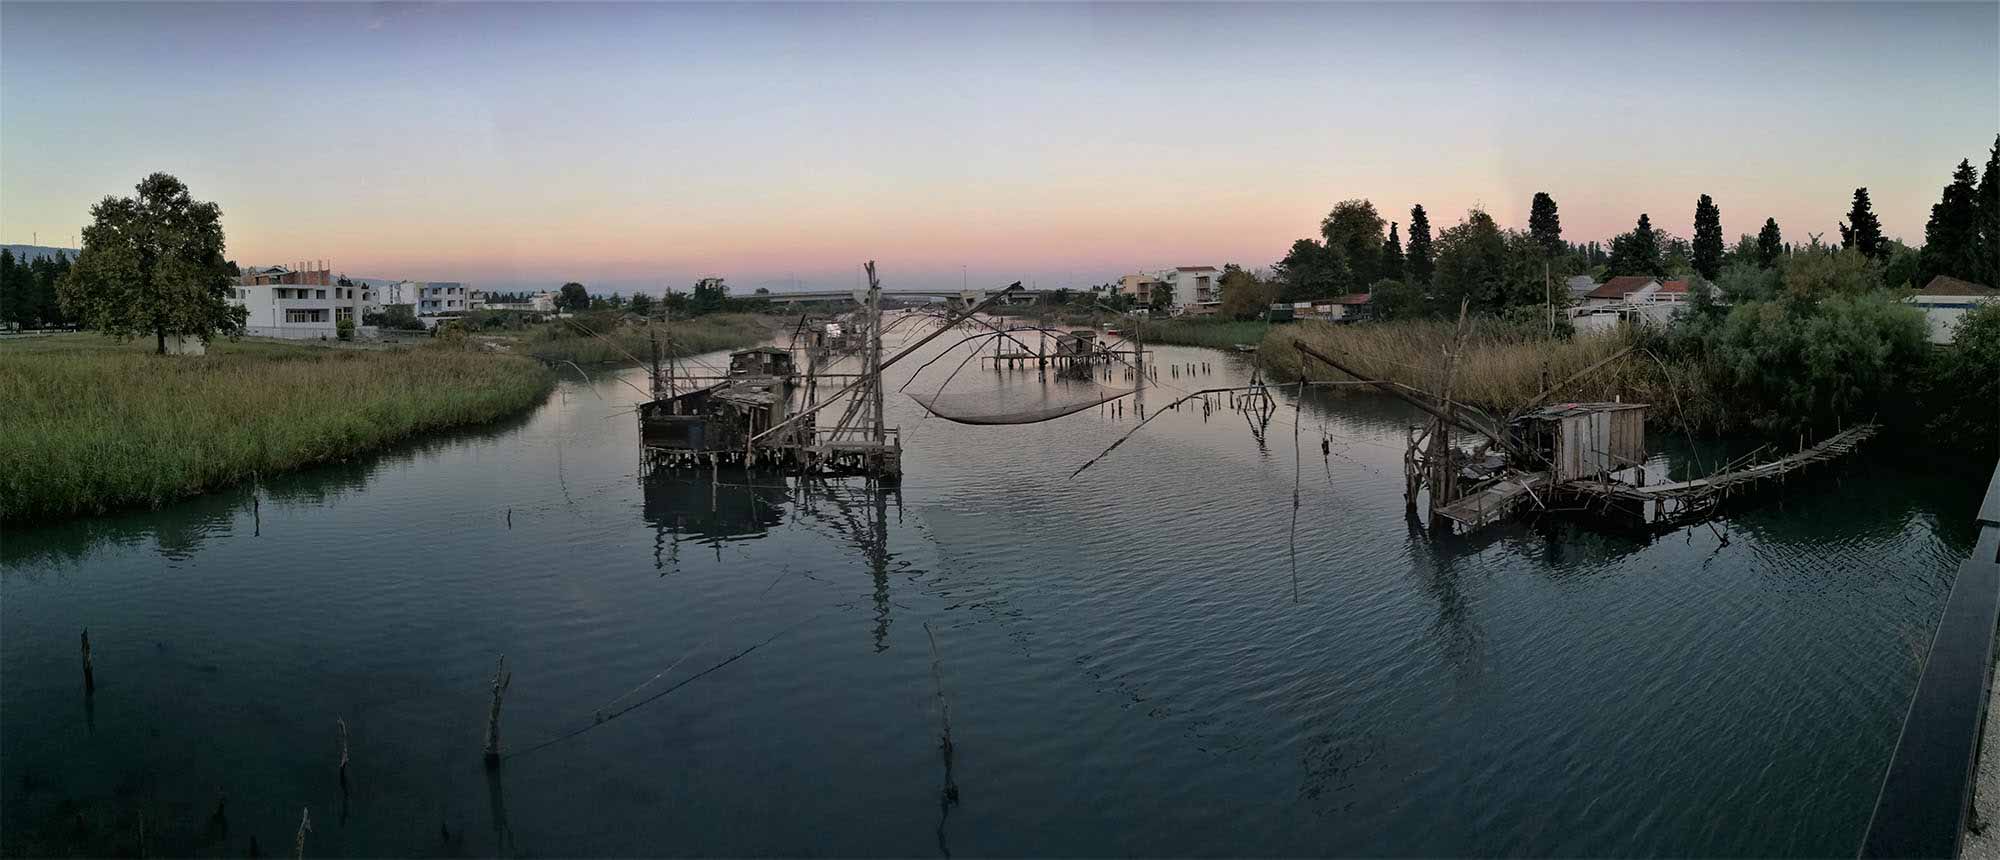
column 637, row 146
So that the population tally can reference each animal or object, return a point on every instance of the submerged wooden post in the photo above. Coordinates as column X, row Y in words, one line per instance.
column 89, row 676
column 501, row 680
column 305, row 827
column 342, row 724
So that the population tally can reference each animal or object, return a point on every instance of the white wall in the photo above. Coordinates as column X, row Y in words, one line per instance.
column 1944, row 312
column 1186, row 285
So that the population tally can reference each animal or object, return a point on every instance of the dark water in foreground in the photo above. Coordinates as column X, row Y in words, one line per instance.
column 1130, row 665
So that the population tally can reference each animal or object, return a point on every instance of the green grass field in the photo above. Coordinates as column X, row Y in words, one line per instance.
column 93, row 425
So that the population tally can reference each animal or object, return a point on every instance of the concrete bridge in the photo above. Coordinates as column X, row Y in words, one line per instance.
column 970, row 297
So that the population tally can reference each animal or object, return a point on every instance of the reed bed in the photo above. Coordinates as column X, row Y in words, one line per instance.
column 600, row 339
column 93, row 425
column 1503, row 367
column 1216, row 334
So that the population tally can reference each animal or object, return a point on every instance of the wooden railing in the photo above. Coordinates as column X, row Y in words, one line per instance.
column 1926, row 794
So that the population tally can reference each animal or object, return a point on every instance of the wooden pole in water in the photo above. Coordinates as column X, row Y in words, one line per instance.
column 502, row 679
column 875, row 353
column 89, row 675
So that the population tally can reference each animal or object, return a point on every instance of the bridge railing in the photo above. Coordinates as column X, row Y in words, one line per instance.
column 1926, row 794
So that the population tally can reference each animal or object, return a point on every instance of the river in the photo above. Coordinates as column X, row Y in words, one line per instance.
column 1145, row 659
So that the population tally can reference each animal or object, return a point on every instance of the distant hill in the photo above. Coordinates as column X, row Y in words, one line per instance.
column 31, row 253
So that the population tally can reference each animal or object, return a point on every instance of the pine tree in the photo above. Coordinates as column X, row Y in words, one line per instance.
column 1417, row 251
column 1951, row 237
column 1989, row 219
column 1544, row 224
column 1863, row 230
column 1392, row 256
column 1707, row 252
column 1770, row 243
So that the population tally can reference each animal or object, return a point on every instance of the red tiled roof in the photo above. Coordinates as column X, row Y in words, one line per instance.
column 1673, row 286
column 1616, row 288
column 1352, row 299
column 1946, row 285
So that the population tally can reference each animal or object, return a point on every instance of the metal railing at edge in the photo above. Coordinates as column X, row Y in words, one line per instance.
column 1926, row 795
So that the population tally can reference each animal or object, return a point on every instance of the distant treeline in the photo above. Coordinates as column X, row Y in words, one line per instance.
column 708, row 296
column 1413, row 273
column 28, row 290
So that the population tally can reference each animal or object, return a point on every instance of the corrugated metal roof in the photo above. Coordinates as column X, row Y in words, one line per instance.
column 1567, row 410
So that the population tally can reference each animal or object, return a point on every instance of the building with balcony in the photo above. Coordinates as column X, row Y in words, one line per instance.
column 298, row 303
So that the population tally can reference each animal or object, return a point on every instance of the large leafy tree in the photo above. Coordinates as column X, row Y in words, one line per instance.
column 573, row 297
column 152, row 264
column 1417, row 251
column 1354, row 231
column 1636, row 252
column 1310, row 271
column 1471, row 264
column 1392, row 256
column 712, row 294
column 1544, row 224
column 1951, row 237
column 1707, row 251
column 1863, row 230
column 1244, row 294
column 1770, row 244
column 1394, row 300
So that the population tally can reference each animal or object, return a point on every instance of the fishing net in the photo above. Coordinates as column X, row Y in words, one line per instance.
column 1017, row 404
column 1021, row 376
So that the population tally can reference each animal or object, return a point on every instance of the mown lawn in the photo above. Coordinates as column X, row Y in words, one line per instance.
column 92, row 424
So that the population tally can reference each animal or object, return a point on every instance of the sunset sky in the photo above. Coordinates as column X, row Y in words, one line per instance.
column 641, row 146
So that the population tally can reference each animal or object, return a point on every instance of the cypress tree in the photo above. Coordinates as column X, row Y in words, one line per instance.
column 1770, row 243
column 1417, row 251
column 1392, row 256
column 1637, row 252
column 1863, row 231
column 1989, row 219
column 1707, row 238
column 1951, row 237
column 1544, row 224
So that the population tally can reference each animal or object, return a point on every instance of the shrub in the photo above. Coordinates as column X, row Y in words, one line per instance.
column 343, row 328
column 1802, row 365
column 1964, row 391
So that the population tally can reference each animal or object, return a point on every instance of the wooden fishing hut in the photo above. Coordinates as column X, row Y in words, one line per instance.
column 1585, row 440
column 715, row 423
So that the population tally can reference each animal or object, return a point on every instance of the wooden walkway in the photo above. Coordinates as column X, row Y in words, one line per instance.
column 1496, row 501
column 1837, row 445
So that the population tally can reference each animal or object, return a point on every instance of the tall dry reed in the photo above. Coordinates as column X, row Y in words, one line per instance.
column 1504, row 365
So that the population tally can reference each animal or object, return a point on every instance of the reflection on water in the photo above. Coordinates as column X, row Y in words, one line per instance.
column 1124, row 664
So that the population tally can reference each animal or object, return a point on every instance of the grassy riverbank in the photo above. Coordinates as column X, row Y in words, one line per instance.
column 605, row 339
column 93, row 425
column 1216, row 334
column 1503, row 366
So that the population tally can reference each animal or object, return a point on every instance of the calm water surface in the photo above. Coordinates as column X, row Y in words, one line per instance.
column 1130, row 663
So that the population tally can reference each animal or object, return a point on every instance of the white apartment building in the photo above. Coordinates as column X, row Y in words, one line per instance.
column 1194, row 289
column 1194, row 286
column 429, row 298
column 298, row 303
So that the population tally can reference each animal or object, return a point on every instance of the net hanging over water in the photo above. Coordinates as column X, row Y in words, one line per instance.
column 1017, row 404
